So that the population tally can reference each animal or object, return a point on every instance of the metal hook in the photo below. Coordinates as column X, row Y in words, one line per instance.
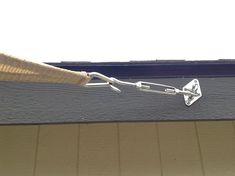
column 109, row 81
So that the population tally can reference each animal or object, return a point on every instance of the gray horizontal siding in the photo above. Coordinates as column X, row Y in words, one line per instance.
column 56, row 103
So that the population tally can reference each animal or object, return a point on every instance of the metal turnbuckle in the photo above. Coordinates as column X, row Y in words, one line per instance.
column 191, row 91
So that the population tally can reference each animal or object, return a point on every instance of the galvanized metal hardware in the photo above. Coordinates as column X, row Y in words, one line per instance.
column 191, row 91
column 194, row 87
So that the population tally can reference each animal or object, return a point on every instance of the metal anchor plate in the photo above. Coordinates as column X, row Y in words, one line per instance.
column 194, row 87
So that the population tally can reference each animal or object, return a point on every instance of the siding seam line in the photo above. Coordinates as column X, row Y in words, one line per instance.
column 199, row 148
column 78, row 147
column 36, row 151
column 233, row 122
column 119, row 150
column 159, row 147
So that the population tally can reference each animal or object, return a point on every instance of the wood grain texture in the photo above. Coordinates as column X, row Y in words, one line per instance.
column 217, row 142
column 57, row 150
column 98, row 150
column 139, row 151
column 179, row 149
column 17, row 150
column 53, row 103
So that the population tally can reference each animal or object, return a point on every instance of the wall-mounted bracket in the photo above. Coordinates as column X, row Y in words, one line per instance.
column 194, row 87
